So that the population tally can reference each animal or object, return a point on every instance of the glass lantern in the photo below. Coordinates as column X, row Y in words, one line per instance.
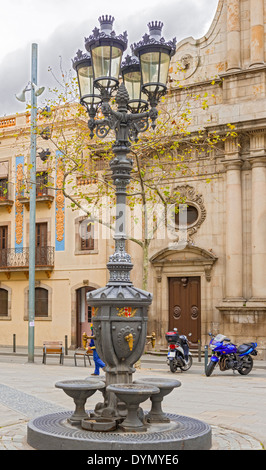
column 106, row 51
column 132, row 79
column 89, row 96
column 154, row 54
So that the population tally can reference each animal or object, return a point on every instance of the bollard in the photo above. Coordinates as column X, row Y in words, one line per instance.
column 206, row 356
column 199, row 350
column 14, row 343
column 66, row 346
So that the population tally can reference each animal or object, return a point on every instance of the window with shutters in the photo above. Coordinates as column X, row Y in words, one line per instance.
column 41, row 302
column 3, row 303
column 86, row 235
column 3, row 245
column 3, row 189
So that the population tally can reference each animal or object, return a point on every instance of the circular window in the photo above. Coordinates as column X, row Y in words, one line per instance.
column 190, row 214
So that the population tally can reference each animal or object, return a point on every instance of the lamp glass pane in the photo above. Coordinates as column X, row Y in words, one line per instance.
column 132, row 82
column 154, row 66
column 116, row 62
column 85, row 77
column 165, row 62
column 101, row 57
column 150, row 69
column 88, row 93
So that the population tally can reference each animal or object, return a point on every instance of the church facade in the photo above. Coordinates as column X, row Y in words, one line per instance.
column 218, row 282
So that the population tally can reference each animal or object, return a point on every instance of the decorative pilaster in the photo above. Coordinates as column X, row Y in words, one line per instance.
column 256, row 32
column 234, row 223
column 233, row 35
column 258, row 216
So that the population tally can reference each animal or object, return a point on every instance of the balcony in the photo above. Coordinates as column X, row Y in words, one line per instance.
column 17, row 259
column 6, row 194
column 44, row 190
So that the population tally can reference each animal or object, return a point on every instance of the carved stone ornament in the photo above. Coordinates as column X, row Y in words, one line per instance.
column 19, row 206
column 192, row 198
column 187, row 64
column 60, row 201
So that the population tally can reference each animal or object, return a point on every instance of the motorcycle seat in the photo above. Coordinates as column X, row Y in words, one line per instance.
column 243, row 348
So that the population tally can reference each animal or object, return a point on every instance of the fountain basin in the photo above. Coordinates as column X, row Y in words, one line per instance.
column 156, row 414
column 80, row 391
column 132, row 395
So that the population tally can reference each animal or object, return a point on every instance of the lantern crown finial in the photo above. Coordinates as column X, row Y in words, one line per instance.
column 155, row 29
column 106, row 23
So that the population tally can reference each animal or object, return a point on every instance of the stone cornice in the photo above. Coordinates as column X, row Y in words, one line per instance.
column 235, row 73
column 257, row 160
column 232, row 164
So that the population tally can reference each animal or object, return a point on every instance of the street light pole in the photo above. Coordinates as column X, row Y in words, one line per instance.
column 31, row 319
column 35, row 91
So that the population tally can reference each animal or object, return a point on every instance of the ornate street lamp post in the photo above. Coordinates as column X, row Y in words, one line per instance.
column 120, row 310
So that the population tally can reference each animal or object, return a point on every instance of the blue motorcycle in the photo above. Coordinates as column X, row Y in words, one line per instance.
column 229, row 356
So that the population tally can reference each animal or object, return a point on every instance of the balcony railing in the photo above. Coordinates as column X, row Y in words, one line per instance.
column 44, row 189
column 6, row 193
column 18, row 258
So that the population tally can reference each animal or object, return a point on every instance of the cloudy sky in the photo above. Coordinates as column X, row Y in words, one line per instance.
column 59, row 28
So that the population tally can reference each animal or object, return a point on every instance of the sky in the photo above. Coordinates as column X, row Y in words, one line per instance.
column 60, row 26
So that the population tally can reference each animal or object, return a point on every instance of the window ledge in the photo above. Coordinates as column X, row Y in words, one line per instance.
column 39, row 318
column 86, row 252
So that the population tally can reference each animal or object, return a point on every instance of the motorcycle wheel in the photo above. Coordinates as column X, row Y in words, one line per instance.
column 173, row 366
column 247, row 367
column 210, row 368
column 188, row 365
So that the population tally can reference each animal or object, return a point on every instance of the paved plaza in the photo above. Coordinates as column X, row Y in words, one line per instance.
column 234, row 405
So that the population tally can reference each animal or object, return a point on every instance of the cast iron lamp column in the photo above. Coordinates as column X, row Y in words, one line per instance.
column 35, row 91
column 120, row 310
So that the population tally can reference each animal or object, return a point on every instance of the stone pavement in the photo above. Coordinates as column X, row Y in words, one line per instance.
column 234, row 405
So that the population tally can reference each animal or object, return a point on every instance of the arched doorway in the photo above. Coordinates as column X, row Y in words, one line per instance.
column 183, row 291
column 84, row 318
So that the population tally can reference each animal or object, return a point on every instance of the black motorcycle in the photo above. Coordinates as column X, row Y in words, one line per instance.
column 178, row 355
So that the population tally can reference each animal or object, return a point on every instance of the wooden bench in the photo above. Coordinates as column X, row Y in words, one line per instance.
column 53, row 347
column 84, row 353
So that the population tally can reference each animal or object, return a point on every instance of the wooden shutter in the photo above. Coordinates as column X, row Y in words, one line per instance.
column 41, row 302
column 3, row 303
column 86, row 235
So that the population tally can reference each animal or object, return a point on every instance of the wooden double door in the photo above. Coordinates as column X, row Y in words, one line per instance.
column 185, row 307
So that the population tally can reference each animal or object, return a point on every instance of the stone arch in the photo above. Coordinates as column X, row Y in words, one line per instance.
column 74, row 290
column 50, row 299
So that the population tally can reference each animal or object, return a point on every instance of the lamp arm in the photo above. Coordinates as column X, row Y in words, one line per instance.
column 126, row 125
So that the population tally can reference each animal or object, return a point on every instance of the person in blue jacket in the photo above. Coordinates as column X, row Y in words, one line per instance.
column 98, row 362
